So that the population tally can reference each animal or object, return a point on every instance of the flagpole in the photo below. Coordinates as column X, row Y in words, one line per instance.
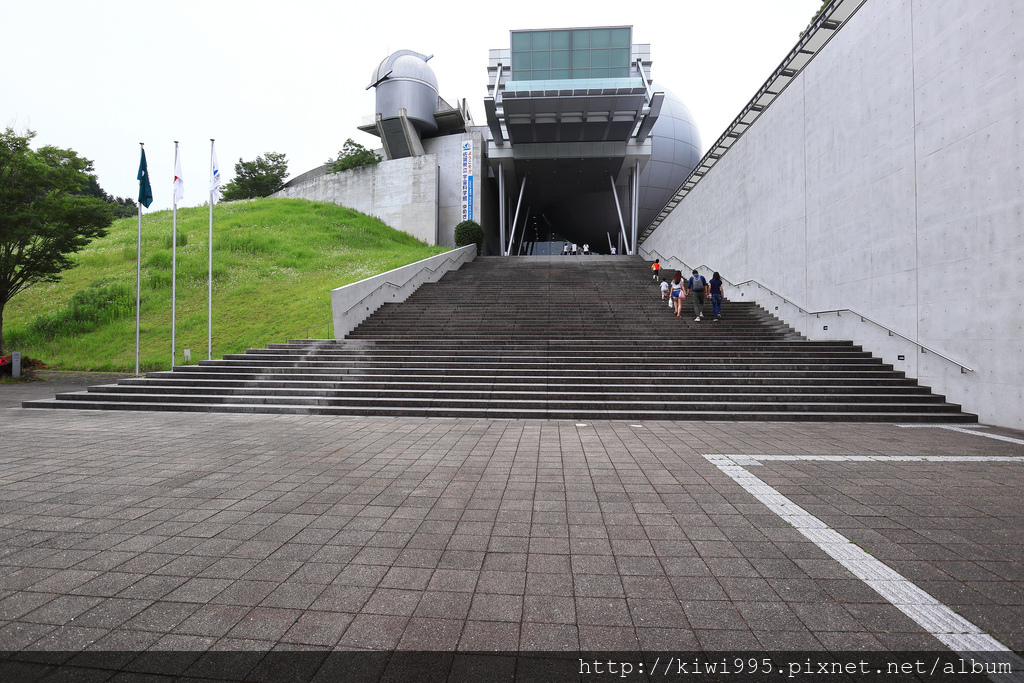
column 174, row 253
column 138, row 278
column 145, row 199
column 209, row 285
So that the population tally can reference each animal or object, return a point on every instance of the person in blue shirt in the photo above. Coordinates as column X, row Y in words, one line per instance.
column 716, row 296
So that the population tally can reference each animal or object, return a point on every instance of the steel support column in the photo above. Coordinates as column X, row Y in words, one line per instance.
column 502, row 211
column 618, row 211
column 512, row 237
column 635, row 212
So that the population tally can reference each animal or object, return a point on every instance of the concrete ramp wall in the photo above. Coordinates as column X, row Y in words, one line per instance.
column 887, row 180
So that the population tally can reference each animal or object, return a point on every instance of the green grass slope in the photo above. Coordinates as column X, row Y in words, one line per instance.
column 274, row 264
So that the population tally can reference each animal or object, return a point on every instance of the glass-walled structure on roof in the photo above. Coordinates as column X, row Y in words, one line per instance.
column 571, row 54
column 582, row 143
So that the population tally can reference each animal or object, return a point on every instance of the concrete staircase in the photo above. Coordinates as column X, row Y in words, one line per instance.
column 582, row 338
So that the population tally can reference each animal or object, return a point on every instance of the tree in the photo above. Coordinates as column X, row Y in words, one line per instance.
column 122, row 207
column 45, row 213
column 352, row 155
column 260, row 178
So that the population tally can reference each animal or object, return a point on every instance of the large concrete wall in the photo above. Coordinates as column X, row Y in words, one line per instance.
column 448, row 150
column 401, row 193
column 421, row 196
column 887, row 179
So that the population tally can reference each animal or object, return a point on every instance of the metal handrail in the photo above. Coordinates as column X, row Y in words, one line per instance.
column 387, row 283
column 836, row 311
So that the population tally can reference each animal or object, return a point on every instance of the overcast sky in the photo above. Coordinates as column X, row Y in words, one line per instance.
column 104, row 75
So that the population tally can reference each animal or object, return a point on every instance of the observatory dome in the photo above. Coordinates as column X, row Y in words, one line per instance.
column 405, row 81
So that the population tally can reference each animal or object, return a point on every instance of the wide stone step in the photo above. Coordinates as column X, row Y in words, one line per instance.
column 442, row 393
column 702, row 413
column 896, row 386
column 578, row 408
column 678, row 371
column 562, row 365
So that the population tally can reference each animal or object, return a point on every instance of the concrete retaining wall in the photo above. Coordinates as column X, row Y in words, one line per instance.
column 887, row 179
column 421, row 196
column 401, row 193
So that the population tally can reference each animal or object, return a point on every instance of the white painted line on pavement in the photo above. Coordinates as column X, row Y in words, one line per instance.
column 998, row 437
column 957, row 633
column 965, row 430
column 758, row 459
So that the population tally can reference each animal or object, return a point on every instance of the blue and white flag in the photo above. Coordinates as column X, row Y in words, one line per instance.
column 214, row 176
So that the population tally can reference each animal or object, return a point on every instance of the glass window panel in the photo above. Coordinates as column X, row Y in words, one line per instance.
column 522, row 61
column 619, row 72
column 620, row 37
column 559, row 73
column 600, row 57
column 580, row 39
column 580, row 58
column 541, row 40
column 521, row 41
column 581, row 73
column 541, row 60
column 620, row 57
column 600, row 37
column 560, row 40
column 601, row 72
column 560, row 59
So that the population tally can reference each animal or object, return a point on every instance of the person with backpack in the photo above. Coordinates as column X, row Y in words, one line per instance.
column 697, row 286
column 716, row 296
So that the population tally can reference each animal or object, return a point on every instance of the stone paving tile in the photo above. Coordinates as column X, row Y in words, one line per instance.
column 254, row 533
column 489, row 636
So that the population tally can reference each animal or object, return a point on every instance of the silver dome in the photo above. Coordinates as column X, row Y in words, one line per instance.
column 675, row 151
column 405, row 81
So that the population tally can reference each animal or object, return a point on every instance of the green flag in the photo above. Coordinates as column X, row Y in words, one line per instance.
column 145, row 190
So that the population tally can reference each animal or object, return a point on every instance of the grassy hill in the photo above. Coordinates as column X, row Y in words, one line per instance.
column 274, row 264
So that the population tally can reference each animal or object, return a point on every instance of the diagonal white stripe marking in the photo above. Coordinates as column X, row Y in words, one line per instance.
column 957, row 633
column 747, row 460
column 998, row 437
column 965, row 430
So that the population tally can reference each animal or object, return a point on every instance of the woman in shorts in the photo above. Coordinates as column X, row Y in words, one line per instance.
column 677, row 293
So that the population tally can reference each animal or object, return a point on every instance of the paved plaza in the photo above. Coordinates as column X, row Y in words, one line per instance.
column 189, row 532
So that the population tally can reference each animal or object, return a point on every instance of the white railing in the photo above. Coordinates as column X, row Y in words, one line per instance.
column 354, row 303
column 672, row 263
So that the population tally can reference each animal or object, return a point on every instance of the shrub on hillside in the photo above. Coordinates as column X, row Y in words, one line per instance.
column 469, row 232
column 87, row 310
column 182, row 240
